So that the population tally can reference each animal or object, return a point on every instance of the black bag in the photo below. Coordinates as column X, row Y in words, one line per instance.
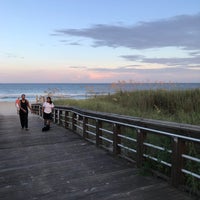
column 46, row 128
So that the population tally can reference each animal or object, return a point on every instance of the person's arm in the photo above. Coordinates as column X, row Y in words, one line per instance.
column 52, row 107
column 29, row 106
column 43, row 107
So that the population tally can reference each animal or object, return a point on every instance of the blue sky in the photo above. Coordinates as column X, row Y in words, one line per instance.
column 99, row 41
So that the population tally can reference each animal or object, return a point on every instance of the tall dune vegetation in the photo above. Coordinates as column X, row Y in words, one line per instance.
column 181, row 106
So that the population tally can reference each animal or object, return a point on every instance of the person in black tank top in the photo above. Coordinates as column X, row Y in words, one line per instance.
column 23, row 112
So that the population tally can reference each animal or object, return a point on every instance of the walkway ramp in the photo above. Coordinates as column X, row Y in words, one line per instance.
column 60, row 165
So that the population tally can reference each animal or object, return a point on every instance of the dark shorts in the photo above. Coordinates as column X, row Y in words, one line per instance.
column 47, row 116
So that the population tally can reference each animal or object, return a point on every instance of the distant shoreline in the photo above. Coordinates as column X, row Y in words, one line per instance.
column 9, row 92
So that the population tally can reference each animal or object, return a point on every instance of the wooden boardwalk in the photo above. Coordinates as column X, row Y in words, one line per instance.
column 60, row 165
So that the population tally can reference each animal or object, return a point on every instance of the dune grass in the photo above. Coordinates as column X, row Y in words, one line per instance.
column 181, row 106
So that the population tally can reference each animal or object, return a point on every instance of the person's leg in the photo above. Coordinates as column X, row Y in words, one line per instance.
column 26, row 121
column 48, row 121
column 21, row 120
column 45, row 119
column 47, row 125
column 45, row 122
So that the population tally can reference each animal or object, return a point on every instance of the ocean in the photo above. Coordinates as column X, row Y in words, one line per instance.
column 9, row 92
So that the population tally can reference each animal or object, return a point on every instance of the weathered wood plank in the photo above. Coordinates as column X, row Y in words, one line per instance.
column 60, row 165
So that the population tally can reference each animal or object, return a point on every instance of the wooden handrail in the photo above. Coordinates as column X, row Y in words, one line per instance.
column 131, row 137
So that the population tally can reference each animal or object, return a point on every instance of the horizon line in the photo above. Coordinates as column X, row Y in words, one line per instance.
column 118, row 82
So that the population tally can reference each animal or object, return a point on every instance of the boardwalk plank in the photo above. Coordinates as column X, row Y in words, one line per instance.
column 61, row 165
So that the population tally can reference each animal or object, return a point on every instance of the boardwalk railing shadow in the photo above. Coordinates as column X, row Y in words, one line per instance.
column 169, row 150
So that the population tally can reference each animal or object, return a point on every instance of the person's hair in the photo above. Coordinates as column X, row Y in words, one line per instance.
column 49, row 100
column 25, row 99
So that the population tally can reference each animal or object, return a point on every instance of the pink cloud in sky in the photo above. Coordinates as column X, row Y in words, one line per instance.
column 91, row 75
column 100, row 76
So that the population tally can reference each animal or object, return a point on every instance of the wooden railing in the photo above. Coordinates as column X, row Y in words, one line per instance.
column 170, row 150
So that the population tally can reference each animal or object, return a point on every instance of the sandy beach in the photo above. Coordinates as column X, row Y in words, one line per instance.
column 8, row 108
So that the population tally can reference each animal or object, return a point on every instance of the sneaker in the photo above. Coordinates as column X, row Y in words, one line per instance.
column 27, row 129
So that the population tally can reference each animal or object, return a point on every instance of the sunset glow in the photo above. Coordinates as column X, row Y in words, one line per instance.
column 99, row 41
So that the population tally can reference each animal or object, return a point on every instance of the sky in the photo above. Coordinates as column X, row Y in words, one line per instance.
column 99, row 41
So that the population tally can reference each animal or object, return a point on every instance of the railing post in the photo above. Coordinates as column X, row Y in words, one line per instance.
column 58, row 116
column 116, row 139
column 54, row 115
column 98, row 132
column 61, row 117
column 66, row 119
column 178, row 148
column 39, row 111
column 74, row 121
column 85, row 127
column 141, row 136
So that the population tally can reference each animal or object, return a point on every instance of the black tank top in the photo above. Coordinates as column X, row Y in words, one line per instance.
column 24, row 105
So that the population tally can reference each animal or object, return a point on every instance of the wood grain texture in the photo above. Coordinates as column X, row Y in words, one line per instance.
column 61, row 165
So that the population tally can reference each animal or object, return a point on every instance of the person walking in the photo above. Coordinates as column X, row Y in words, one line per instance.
column 17, row 104
column 23, row 111
column 47, row 109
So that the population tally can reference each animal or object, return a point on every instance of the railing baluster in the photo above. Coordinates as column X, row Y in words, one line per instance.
column 178, row 148
column 54, row 115
column 85, row 127
column 40, row 111
column 98, row 132
column 66, row 119
column 74, row 121
column 58, row 117
column 116, row 139
column 141, row 135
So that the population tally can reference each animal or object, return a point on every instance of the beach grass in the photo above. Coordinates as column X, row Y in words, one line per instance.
column 182, row 106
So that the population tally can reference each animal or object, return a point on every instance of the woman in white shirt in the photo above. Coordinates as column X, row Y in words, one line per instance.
column 47, row 109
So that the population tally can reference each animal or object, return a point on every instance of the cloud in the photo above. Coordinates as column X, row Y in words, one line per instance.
column 67, row 42
column 139, row 73
column 173, row 61
column 136, row 69
column 10, row 55
column 180, row 31
column 106, row 69
column 77, row 67
column 74, row 43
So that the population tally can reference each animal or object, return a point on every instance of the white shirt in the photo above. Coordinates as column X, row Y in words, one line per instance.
column 48, row 107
